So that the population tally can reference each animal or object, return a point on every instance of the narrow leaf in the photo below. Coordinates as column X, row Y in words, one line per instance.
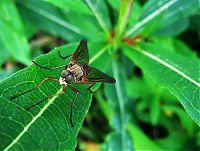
column 117, row 98
column 149, row 17
column 13, row 36
column 77, row 6
column 100, row 11
column 124, row 12
column 140, row 140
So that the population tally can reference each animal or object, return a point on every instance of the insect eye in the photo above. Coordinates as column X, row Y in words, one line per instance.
column 64, row 73
column 69, row 78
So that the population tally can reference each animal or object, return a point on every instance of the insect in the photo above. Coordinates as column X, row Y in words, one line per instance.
column 77, row 71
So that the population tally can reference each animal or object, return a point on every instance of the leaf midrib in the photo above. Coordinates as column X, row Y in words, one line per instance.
column 32, row 121
column 146, row 53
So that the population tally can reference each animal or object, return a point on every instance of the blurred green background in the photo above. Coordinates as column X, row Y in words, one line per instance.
column 138, row 114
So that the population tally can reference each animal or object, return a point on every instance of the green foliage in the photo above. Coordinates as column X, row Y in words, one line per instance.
column 13, row 29
column 179, row 72
column 154, row 104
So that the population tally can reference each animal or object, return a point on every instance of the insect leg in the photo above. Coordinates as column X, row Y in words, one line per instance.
column 47, row 67
column 48, row 97
column 49, row 78
column 65, row 56
column 73, row 102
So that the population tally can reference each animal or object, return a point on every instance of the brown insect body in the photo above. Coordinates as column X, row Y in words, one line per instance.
column 77, row 71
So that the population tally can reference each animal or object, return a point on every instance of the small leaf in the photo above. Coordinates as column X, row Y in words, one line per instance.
column 140, row 140
column 107, row 111
column 172, row 71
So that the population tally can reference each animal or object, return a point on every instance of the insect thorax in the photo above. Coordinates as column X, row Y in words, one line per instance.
column 76, row 70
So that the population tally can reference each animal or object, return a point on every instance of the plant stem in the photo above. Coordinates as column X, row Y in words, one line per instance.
column 125, row 9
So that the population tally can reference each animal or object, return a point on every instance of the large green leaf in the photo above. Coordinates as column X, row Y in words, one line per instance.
column 172, row 71
column 46, row 126
column 176, row 17
column 75, row 13
column 174, row 21
column 12, row 35
column 42, row 15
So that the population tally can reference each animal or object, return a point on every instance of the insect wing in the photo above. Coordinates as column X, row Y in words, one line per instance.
column 81, row 55
column 95, row 75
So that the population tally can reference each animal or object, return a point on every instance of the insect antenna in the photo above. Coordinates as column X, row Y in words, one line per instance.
column 47, row 68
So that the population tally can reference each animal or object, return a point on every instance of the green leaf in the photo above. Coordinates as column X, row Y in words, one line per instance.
column 42, row 15
column 113, row 142
column 77, row 6
column 175, row 20
column 124, row 12
column 89, row 28
column 175, row 45
column 140, row 140
column 13, row 36
column 172, row 71
column 135, row 13
column 107, row 111
column 195, row 22
column 155, row 109
column 114, row 4
column 75, row 13
column 47, row 125
column 117, row 98
column 185, row 120
column 4, row 54
column 100, row 11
